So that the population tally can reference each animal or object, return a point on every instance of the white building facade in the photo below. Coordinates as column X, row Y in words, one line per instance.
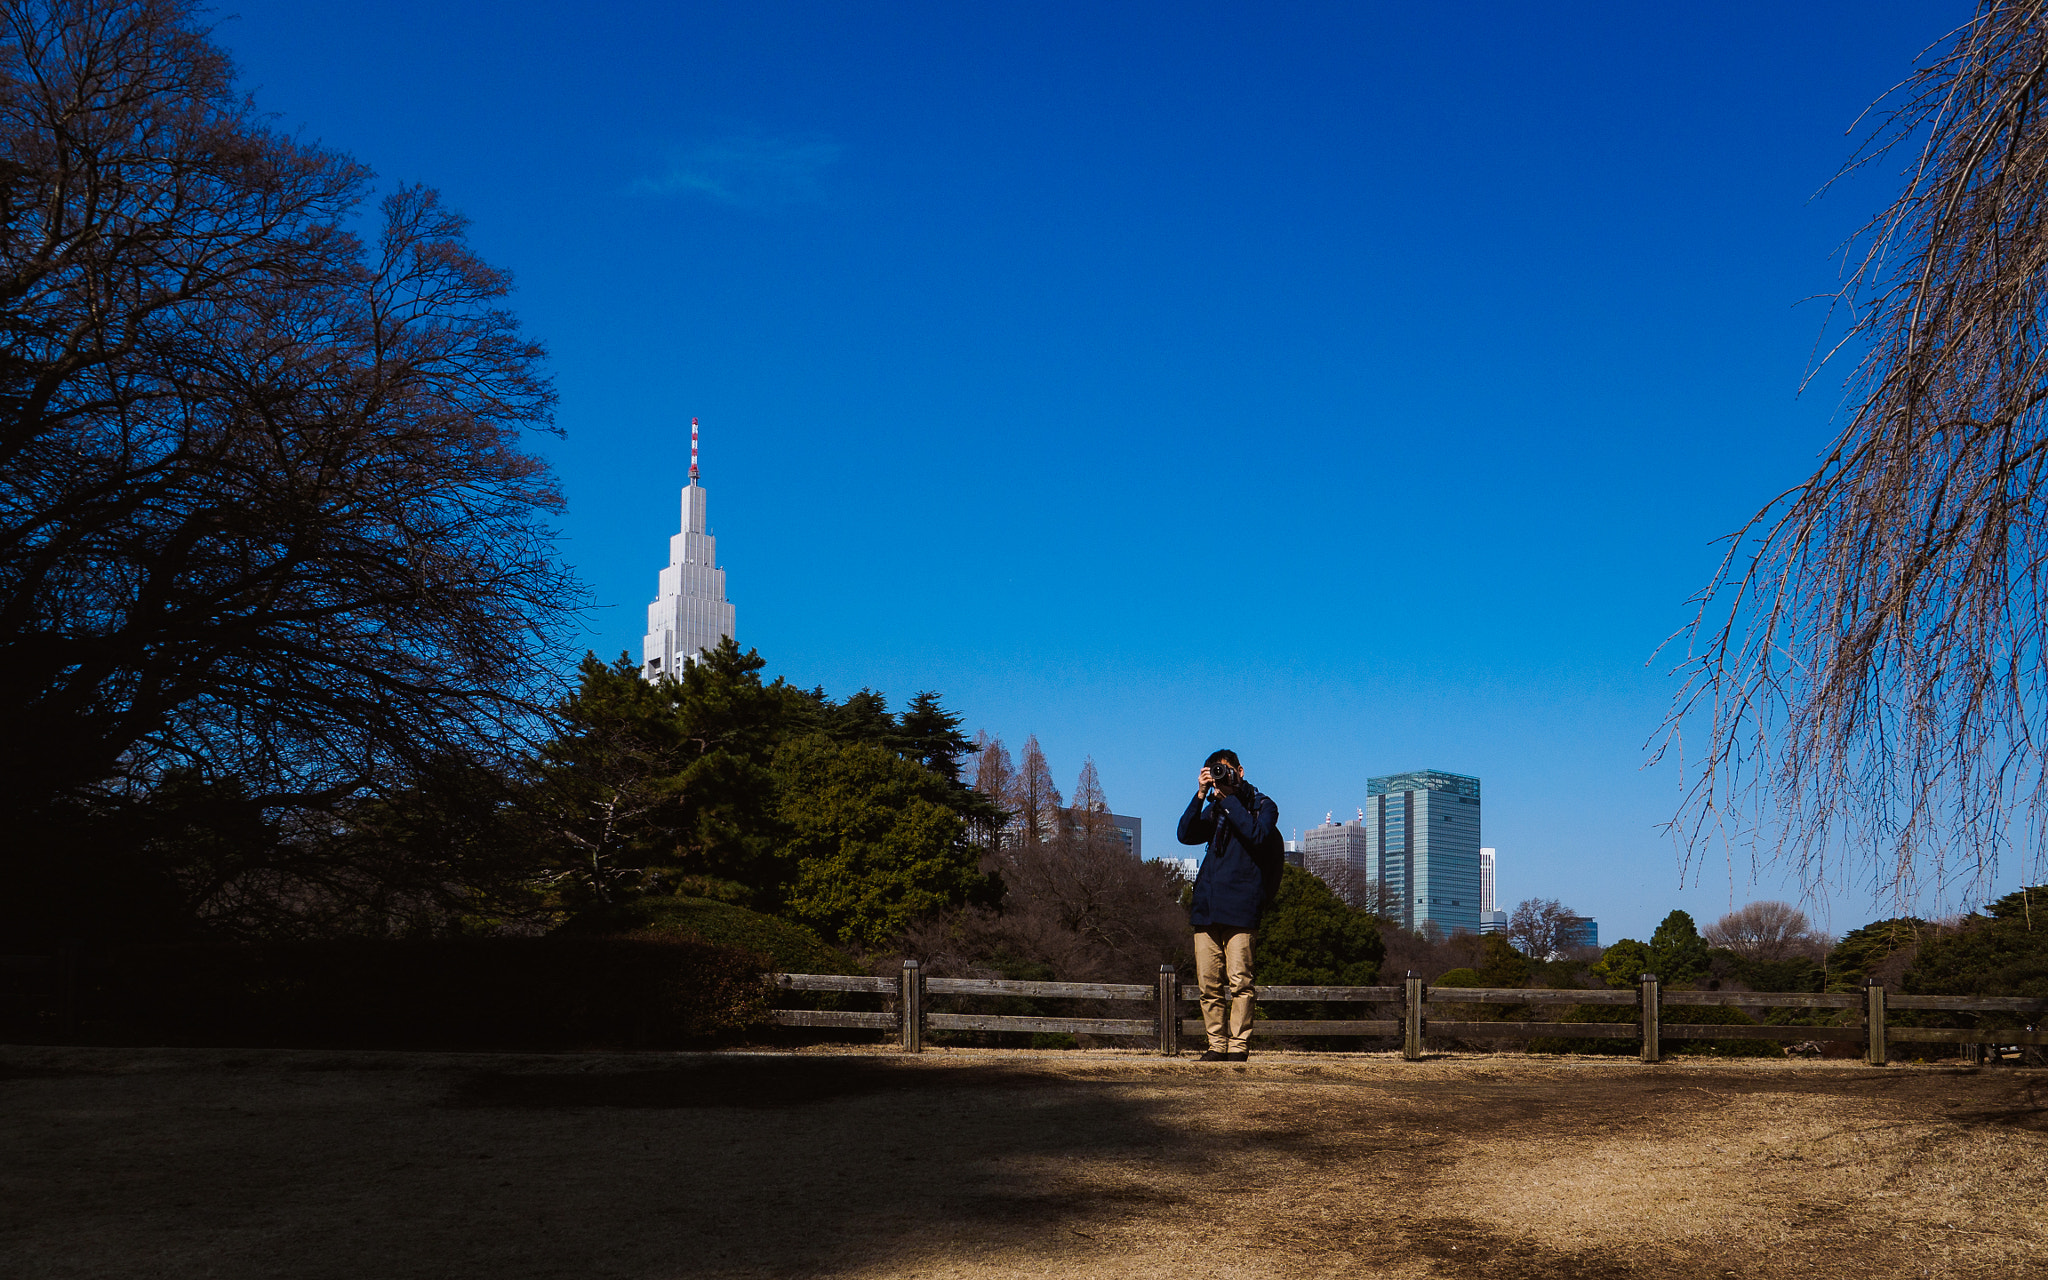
column 1491, row 918
column 691, row 613
column 1340, row 855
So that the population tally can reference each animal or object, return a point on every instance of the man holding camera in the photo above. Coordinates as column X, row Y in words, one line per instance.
column 1239, row 877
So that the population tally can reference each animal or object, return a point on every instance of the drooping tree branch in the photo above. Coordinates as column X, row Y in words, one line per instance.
column 1866, row 678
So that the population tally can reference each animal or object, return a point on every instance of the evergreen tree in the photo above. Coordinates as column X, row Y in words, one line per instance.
column 606, row 796
column 931, row 736
column 873, row 840
column 1862, row 950
column 1311, row 938
column 864, row 717
column 2003, row 952
column 1624, row 963
column 1677, row 952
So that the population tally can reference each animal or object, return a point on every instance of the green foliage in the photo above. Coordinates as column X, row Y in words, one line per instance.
column 1500, row 964
column 1624, row 963
column 1461, row 978
column 606, row 799
column 1863, row 950
column 1678, row 953
column 1310, row 938
column 931, row 736
column 873, row 840
column 731, row 724
column 1675, row 953
column 790, row 948
column 2001, row 953
column 1798, row 973
column 718, row 784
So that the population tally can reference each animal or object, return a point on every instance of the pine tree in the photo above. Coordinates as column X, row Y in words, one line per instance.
column 931, row 736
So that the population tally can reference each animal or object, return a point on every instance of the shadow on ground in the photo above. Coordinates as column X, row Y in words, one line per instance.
column 181, row 1163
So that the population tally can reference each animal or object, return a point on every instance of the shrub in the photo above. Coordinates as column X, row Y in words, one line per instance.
column 456, row 993
column 790, row 948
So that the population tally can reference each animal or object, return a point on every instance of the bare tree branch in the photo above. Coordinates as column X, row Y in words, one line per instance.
column 1866, row 671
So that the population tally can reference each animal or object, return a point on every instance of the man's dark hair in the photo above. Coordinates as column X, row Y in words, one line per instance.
column 1225, row 754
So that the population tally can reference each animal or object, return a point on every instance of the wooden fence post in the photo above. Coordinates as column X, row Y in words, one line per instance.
column 1169, row 1010
column 1411, row 1040
column 913, row 1007
column 1873, row 996
column 1653, row 1021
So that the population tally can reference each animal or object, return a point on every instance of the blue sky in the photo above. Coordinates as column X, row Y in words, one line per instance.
column 1362, row 387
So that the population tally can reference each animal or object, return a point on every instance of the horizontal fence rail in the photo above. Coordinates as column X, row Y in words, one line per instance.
column 1415, row 1002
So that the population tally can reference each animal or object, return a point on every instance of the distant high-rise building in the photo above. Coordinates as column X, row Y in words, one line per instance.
column 691, row 613
column 1339, row 854
column 1581, row 931
column 1491, row 918
column 1422, row 829
column 1133, row 832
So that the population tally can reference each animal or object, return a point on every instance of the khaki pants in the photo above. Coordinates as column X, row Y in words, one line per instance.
column 1221, row 953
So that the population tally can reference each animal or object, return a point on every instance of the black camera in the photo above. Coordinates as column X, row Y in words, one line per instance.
column 1224, row 773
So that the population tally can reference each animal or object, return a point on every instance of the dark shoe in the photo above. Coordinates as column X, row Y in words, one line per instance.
column 1237, row 1057
column 1213, row 1056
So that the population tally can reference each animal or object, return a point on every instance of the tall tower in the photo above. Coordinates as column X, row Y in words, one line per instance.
column 691, row 613
column 1424, row 832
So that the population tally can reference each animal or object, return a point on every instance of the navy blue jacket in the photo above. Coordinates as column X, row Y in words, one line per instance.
column 1230, row 891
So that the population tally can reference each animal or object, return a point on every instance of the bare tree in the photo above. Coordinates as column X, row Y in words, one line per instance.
column 1091, row 807
column 1541, row 928
column 1358, row 888
column 1077, row 901
column 995, row 777
column 1766, row 931
column 264, row 506
column 1868, row 669
column 1038, row 800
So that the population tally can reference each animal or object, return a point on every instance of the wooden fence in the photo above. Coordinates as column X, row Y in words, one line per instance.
column 1425, row 1013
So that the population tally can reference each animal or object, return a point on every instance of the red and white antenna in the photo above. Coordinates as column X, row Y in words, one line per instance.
column 693, row 451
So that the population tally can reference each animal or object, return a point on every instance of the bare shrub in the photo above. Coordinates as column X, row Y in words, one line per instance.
column 1767, row 931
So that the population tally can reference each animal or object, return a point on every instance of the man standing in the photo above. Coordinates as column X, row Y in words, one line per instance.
column 1237, row 882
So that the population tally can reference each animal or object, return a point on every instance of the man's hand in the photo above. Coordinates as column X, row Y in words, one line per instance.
column 1204, row 784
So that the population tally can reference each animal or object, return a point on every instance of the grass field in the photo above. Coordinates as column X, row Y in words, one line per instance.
column 191, row 1163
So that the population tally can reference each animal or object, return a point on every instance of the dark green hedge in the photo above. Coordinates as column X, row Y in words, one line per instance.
column 556, row 992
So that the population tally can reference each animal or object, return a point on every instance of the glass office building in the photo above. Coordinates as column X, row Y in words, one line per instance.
column 1422, row 831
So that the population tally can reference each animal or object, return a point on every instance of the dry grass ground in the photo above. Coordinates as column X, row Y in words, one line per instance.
column 172, row 1163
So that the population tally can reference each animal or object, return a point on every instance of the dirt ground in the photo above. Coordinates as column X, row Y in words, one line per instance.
column 189, row 1163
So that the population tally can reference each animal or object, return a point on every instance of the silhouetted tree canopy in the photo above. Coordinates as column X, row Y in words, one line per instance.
column 266, row 513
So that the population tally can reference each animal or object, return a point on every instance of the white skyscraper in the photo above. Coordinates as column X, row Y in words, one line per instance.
column 691, row 614
column 1491, row 918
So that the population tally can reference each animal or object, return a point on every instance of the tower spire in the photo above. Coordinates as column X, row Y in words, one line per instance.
column 693, row 451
